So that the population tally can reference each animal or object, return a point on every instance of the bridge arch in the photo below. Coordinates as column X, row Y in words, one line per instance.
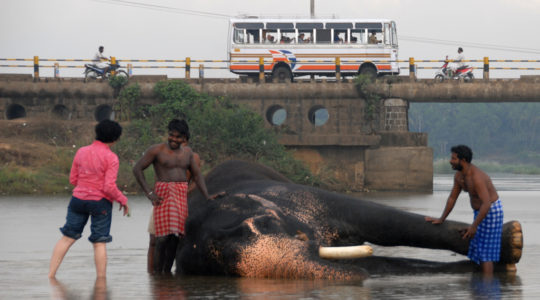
column 15, row 111
column 276, row 115
column 103, row 112
column 318, row 115
column 61, row 111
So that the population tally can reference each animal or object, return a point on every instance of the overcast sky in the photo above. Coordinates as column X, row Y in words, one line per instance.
column 174, row 29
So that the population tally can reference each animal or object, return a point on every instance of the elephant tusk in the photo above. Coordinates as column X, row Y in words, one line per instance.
column 347, row 252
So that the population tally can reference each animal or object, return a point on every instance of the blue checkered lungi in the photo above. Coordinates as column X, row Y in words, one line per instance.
column 486, row 243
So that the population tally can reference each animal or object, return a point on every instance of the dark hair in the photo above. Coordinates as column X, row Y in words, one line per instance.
column 460, row 49
column 108, row 131
column 179, row 125
column 101, row 47
column 462, row 152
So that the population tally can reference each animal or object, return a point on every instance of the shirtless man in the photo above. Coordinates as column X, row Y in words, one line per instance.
column 171, row 161
column 486, row 230
column 151, row 227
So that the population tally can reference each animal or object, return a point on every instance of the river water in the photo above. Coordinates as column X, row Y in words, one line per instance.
column 29, row 230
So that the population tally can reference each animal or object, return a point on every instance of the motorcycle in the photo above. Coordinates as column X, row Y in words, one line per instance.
column 464, row 72
column 91, row 71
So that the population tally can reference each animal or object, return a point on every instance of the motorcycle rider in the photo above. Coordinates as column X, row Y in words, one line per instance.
column 457, row 63
column 101, row 61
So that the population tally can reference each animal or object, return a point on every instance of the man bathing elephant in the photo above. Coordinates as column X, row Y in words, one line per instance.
column 486, row 230
column 267, row 226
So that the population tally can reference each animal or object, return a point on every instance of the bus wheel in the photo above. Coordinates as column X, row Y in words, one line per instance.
column 282, row 74
column 369, row 72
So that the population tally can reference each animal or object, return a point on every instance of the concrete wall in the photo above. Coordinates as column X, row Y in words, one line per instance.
column 325, row 124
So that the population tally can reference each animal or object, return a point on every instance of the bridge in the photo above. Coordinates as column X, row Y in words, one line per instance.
column 326, row 122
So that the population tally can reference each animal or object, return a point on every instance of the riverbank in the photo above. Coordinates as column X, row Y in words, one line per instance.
column 36, row 156
column 442, row 166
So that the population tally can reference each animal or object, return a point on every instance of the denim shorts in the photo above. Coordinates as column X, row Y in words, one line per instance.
column 77, row 216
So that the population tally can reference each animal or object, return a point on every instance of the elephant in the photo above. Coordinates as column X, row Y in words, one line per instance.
column 263, row 225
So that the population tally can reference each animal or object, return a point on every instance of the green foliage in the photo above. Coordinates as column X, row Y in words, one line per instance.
column 117, row 82
column 505, row 132
column 128, row 104
column 137, row 136
column 50, row 178
column 362, row 83
column 220, row 130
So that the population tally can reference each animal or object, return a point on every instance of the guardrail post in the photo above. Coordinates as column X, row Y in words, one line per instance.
column 188, row 67
column 338, row 69
column 130, row 69
column 486, row 68
column 113, row 62
column 56, row 71
column 412, row 69
column 261, row 70
column 36, row 68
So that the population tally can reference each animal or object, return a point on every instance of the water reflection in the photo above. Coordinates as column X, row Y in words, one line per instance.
column 166, row 287
column 485, row 287
column 61, row 292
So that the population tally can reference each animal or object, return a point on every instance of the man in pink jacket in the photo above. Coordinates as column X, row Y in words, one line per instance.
column 93, row 173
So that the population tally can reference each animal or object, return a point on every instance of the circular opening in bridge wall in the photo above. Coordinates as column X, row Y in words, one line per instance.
column 276, row 115
column 61, row 111
column 15, row 111
column 318, row 115
column 104, row 112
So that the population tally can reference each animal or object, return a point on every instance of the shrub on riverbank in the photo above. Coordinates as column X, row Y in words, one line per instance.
column 219, row 130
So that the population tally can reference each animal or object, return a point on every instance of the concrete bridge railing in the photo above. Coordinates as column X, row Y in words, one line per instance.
column 187, row 65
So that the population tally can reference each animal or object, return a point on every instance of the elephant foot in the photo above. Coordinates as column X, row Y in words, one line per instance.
column 511, row 245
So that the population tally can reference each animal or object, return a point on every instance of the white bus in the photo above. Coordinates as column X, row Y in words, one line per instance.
column 297, row 47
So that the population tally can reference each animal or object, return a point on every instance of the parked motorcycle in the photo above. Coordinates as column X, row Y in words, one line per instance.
column 93, row 72
column 464, row 72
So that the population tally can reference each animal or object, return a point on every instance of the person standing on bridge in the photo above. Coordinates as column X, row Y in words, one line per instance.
column 486, row 230
column 171, row 162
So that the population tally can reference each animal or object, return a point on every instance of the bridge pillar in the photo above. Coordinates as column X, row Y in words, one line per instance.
column 396, row 115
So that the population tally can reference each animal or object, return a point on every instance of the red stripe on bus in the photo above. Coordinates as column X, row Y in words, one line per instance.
column 249, row 67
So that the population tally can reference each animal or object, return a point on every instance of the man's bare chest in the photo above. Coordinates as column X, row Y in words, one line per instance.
column 173, row 160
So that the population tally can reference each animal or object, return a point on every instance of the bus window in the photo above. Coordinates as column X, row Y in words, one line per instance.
column 305, row 37
column 288, row 36
column 374, row 37
column 340, row 36
column 387, row 34
column 358, row 36
column 394, row 34
column 239, row 36
column 253, row 36
column 323, row 36
column 271, row 36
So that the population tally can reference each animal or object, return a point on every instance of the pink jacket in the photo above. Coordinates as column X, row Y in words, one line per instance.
column 94, row 172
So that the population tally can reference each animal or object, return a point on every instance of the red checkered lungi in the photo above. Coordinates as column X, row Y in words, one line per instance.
column 171, row 214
